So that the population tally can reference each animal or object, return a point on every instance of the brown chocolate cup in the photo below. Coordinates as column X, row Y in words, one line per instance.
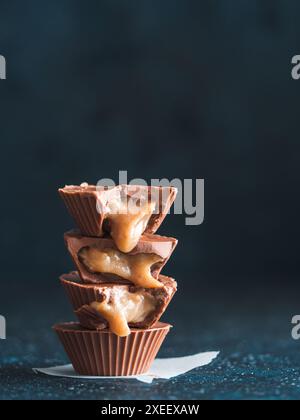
column 102, row 353
column 161, row 246
column 81, row 295
column 81, row 203
column 87, row 205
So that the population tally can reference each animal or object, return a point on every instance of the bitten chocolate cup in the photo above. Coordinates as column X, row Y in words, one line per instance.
column 96, row 210
column 98, row 260
column 137, row 307
column 102, row 353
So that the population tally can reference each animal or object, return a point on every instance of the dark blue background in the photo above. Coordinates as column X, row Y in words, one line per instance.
column 161, row 88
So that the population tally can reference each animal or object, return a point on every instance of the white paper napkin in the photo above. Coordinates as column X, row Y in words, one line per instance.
column 160, row 369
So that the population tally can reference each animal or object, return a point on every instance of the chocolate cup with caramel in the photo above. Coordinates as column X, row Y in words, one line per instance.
column 98, row 210
column 99, row 261
column 130, row 306
column 102, row 353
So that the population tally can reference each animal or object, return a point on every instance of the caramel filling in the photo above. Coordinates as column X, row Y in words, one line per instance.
column 124, row 308
column 135, row 268
column 128, row 225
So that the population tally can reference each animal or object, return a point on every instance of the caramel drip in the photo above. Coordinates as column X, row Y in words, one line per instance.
column 123, row 308
column 135, row 268
column 116, row 319
column 127, row 227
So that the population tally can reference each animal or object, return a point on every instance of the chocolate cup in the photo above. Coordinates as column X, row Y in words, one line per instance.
column 81, row 295
column 102, row 353
column 88, row 205
column 148, row 244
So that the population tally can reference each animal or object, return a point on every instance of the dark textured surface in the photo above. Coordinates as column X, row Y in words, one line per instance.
column 258, row 359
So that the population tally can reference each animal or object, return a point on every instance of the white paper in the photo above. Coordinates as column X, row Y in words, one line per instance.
column 160, row 369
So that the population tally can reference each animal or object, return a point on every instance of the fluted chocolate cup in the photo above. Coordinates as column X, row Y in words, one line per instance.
column 159, row 248
column 90, row 205
column 102, row 353
column 83, row 296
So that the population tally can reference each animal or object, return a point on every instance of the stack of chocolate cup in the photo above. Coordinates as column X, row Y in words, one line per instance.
column 118, row 292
